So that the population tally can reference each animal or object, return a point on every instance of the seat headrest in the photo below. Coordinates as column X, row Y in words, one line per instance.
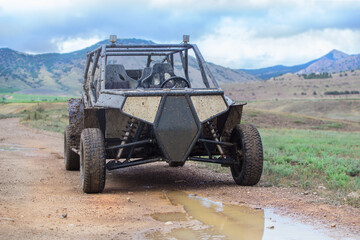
column 163, row 68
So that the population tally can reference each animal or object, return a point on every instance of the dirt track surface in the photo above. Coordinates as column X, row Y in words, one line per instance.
column 40, row 200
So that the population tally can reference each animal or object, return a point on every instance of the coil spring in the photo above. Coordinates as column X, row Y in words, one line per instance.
column 215, row 135
column 128, row 131
column 213, row 130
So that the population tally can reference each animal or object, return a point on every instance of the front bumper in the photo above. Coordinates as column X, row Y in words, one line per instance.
column 176, row 115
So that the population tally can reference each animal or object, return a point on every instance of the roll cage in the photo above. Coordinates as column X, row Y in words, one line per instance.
column 99, row 69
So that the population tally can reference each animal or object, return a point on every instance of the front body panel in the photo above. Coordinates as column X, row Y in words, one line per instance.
column 176, row 128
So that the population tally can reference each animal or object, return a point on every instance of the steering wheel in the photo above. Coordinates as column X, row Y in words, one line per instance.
column 175, row 82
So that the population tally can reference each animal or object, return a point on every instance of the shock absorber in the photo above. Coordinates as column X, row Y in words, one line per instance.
column 132, row 123
column 215, row 136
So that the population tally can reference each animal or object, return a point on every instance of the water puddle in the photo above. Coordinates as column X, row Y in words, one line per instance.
column 222, row 221
column 14, row 147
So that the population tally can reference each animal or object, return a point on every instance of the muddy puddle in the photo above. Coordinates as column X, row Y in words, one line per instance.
column 206, row 218
column 14, row 147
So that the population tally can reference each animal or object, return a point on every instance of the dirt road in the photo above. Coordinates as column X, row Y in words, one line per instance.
column 40, row 200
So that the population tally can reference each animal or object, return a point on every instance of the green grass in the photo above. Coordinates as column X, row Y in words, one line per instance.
column 29, row 98
column 45, row 117
column 299, row 121
column 252, row 114
column 333, row 125
column 309, row 159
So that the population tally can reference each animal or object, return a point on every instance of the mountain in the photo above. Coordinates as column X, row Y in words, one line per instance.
column 334, row 61
column 62, row 74
column 269, row 72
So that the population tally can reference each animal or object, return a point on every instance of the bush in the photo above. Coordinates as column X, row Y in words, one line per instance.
column 341, row 93
column 317, row 76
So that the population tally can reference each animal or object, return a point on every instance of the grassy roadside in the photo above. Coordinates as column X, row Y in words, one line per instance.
column 50, row 116
column 324, row 162
column 46, row 116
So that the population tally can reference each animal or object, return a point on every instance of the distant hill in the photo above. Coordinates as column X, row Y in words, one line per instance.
column 334, row 61
column 294, row 86
column 62, row 74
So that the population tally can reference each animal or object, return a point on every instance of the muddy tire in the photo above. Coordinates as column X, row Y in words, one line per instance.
column 92, row 160
column 176, row 164
column 71, row 159
column 248, row 153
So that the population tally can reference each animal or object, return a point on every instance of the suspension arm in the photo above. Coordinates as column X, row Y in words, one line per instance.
column 220, row 160
column 116, row 164
column 130, row 144
column 227, row 144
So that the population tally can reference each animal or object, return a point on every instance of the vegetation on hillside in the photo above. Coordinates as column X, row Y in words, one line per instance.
column 316, row 75
column 341, row 92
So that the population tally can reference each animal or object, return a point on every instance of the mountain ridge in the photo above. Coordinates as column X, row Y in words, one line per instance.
column 62, row 73
column 334, row 61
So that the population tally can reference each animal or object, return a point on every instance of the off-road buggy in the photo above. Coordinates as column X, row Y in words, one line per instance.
column 157, row 102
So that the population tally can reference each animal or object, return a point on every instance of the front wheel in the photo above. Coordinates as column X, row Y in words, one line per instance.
column 92, row 160
column 248, row 155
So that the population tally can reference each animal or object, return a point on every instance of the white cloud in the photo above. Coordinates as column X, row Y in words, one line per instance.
column 34, row 6
column 40, row 5
column 235, row 45
column 73, row 44
column 15, row 6
column 240, row 4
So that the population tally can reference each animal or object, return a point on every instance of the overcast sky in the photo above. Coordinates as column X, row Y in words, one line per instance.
column 232, row 33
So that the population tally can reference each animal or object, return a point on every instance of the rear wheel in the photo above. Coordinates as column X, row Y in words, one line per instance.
column 248, row 155
column 71, row 159
column 92, row 160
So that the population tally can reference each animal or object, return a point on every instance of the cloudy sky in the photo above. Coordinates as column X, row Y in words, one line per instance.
column 233, row 33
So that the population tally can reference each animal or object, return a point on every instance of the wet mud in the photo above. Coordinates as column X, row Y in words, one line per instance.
column 226, row 221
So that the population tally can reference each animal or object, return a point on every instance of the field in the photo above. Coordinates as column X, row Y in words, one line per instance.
column 6, row 97
column 292, row 86
column 336, row 109
column 319, row 155
column 51, row 116
column 292, row 112
column 323, row 161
